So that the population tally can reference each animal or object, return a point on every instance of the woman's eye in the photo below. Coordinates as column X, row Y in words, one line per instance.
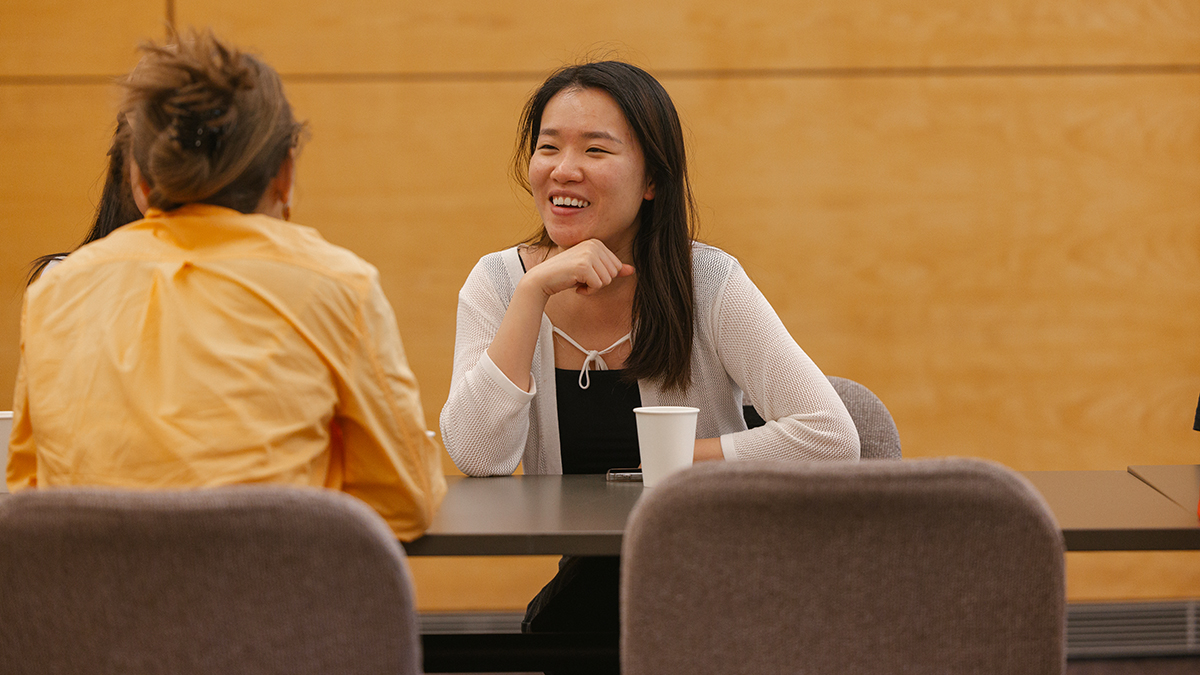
column 546, row 147
column 598, row 151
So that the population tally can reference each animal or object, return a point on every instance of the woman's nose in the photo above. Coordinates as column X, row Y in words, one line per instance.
column 568, row 169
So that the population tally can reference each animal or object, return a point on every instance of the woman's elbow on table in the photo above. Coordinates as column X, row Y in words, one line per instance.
column 840, row 440
column 829, row 439
column 475, row 451
column 477, row 458
column 481, row 469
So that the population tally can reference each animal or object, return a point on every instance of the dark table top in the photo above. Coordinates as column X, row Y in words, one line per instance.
column 586, row 515
column 1114, row 511
column 530, row 515
column 1178, row 482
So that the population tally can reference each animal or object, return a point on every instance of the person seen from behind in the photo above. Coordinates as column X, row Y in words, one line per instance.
column 212, row 342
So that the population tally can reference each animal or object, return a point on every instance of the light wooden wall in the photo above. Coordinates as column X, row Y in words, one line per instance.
column 987, row 211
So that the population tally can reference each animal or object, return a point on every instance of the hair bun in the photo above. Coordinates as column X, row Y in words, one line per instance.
column 212, row 123
column 203, row 106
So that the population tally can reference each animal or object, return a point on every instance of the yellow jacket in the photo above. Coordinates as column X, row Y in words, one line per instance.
column 205, row 347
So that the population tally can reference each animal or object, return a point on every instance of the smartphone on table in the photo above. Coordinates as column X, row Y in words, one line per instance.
column 624, row 475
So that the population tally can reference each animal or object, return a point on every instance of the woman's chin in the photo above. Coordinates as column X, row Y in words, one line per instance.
column 564, row 237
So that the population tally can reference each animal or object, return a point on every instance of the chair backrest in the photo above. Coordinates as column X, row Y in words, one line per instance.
column 247, row 580
column 928, row 566
column 877, row 434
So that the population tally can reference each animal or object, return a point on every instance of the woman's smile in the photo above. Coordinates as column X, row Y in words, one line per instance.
column 587, row 173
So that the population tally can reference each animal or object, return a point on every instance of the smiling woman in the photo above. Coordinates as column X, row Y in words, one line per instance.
column 615, row 282
column 587, row 173
column 583, row 133
column 614, row 305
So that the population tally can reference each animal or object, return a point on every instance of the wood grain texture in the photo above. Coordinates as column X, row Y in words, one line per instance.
column 482, row 36
column 1007, row 252
column 53, row 140
column 1108, row 576
column 475, row 584
column 414, row 179
column 1010, row 264
column 48, row 38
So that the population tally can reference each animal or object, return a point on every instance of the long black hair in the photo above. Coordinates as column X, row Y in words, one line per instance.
column 116, row 207
column 663, row 301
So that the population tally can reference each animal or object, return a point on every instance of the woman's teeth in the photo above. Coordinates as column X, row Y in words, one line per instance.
column 570, row 201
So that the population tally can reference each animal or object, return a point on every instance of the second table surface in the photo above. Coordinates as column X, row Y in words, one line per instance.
column 586, row 515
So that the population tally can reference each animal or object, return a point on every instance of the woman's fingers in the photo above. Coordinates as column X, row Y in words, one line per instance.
column 586, row 267
column 597, row 277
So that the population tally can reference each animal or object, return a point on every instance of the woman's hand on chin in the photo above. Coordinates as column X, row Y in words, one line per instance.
column 586, row 267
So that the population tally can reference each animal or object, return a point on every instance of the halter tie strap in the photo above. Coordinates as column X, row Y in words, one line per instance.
column 593, row 356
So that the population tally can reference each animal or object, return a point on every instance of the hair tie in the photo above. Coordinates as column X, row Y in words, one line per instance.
column 208, row 138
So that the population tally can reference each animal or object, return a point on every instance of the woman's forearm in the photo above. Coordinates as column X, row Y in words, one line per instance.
column 515, row 341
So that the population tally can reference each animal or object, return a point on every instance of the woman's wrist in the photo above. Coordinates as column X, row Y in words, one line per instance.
column 531, row 289
column 513, row 345
column 707, row 450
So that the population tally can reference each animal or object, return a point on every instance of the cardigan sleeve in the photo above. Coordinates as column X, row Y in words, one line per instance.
column 485, row 422
column 806, row 419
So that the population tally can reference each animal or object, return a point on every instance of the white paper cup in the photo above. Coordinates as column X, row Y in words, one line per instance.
column 666, row 440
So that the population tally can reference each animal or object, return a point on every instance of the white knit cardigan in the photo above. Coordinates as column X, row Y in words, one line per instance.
column 489, row 424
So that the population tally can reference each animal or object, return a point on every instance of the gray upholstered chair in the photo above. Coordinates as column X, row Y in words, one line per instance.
column 923, row 567
column 245, row 580
column 877, row 432
column 876, row 429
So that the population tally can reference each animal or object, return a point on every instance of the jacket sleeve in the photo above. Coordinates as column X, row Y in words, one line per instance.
column 21, row 471
column 806, row 419
column 388, row 460
column 485, row 422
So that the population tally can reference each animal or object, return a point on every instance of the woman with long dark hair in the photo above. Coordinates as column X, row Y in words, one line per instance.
column 213, row 343
column 614, row 305
column 117, row 206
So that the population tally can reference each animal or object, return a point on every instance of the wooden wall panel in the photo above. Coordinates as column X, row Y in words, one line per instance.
column 974, row 263
column 1006, row 251
column 1121, row 575
column 54, row 140
column 40, row 38
column 414, row 178
column 1011, row 263
column 474, row 584
column 484, row 36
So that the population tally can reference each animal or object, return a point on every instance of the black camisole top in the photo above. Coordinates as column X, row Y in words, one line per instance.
column 597, row 429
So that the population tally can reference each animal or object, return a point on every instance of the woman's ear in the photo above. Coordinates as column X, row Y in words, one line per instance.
column 277, row 200
column 649, row 193
column 285, row 181
column 139, row 186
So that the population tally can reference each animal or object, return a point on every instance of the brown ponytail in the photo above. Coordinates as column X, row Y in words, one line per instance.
column 209, row 123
